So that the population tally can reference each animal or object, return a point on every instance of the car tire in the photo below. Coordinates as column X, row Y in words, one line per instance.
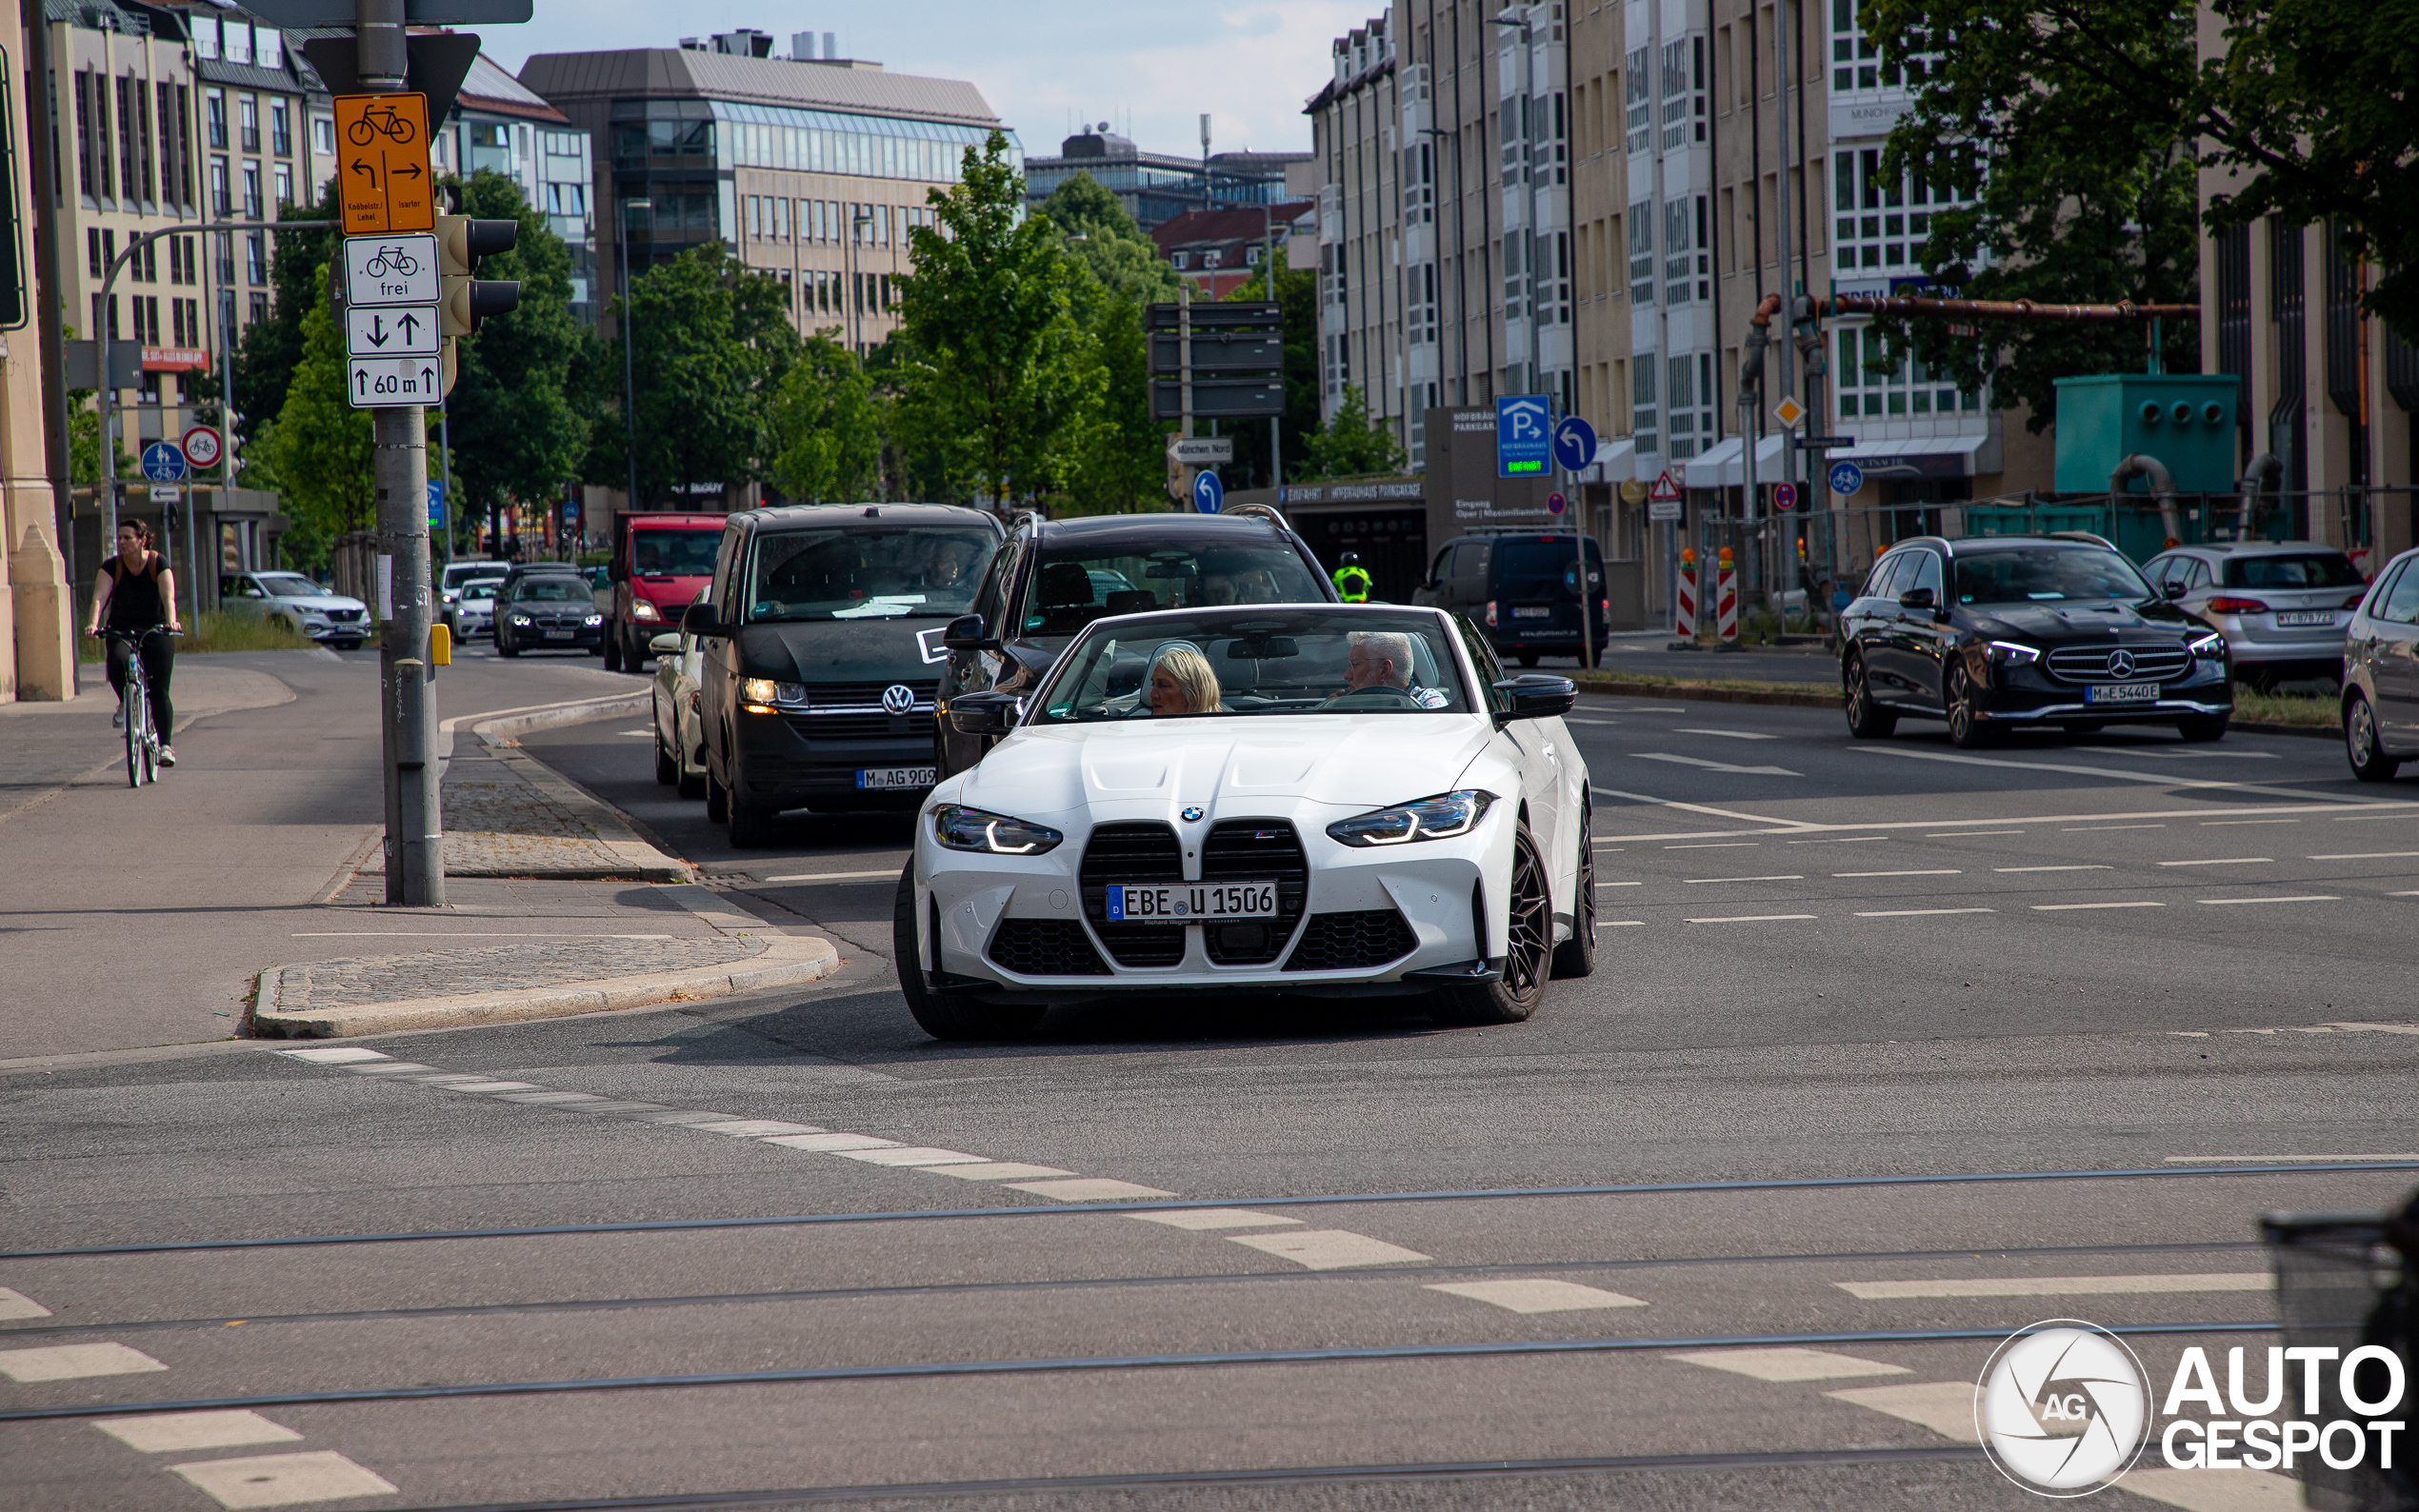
column 1576, row 956
column 1968, row 729
column 717, row 799
column 691, row 786
column 934, row 1014
column 504, row 648
column 346, row 645
column 750, row 827
column 2366, row 752
column 1867, row 720
column 667, row 764
column 2200, row 728
column 1528, row 955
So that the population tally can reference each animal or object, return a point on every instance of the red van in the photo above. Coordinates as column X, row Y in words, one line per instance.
column 660, row 561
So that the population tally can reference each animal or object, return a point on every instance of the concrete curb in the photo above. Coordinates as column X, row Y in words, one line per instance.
column 611, row 828
column 787, row 961
column 1813, row 698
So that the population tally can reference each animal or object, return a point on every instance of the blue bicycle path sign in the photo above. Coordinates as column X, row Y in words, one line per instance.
column 1847, row 477
column 164, row 462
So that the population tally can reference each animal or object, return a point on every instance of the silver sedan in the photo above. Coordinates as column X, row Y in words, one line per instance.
column 680, row 738
column 2282, row 606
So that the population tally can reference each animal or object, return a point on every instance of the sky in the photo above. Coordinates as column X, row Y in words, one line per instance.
column 1046, row 65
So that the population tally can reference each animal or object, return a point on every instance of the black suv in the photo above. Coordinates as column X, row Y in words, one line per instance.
column 1054, row 577
column 546, row 606
column 1995, row 633
column 821, row 641
column 1523, row 585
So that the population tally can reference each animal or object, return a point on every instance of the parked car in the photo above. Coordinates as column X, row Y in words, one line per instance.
column 294, row 601
column 1997, row 633
column 2282, row 606
column 1054, row 577
column 546, row 606
column 1523, row 585
column 1377, row 810
column 2381, row 674
column 820, row 638
column 680, row 740
column 470, row 611
column 457, row 574
column 660, row 562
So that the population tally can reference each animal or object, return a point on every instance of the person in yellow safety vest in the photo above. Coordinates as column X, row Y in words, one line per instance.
column 1352, row 580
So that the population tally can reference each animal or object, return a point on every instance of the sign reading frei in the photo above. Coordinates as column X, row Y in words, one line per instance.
column 382, row 163
column 392, row 336
column 390, row 270
column 1197, row 451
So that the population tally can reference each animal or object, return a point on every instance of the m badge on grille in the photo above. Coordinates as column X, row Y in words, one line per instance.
column 898, row 698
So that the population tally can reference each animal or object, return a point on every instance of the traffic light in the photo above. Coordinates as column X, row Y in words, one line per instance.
column 460, row 242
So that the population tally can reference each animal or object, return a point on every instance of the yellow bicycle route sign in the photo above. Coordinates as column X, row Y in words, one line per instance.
column 382, row 157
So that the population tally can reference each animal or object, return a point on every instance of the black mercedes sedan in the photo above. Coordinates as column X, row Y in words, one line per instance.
column 1997, row 633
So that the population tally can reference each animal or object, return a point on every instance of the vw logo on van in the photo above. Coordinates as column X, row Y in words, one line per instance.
column 898, row 698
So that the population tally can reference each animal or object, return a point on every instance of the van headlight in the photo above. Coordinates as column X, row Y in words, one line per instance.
column 1446, row 816
column 958, row 827
column 765, row 690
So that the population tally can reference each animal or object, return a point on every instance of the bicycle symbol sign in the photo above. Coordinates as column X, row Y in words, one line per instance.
column 386, row 271
column 383, row 164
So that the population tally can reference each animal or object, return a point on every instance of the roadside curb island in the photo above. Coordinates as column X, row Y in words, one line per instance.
column 527, row 821
column 1778, row 695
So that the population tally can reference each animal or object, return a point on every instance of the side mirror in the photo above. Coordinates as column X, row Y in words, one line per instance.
column 1916, row 599
column 983, row 713
column 1538, row 695
column 965, row 633
column 700, row 619
column 667, row 643
column 2172, row 587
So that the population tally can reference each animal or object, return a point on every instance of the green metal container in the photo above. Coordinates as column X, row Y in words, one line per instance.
column 2184, row 420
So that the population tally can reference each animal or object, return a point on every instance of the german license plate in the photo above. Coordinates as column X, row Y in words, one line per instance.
column 1199, row 902
column 561, row 635
column 1532, row 612
column 2307, row 617
column 893, row 779
column 2123, row 693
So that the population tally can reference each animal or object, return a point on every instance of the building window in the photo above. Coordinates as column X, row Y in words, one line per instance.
column 238, row 44
column 259, row 309
column 251, row 192
column 1874, row 381
column 247, row 122
column 285, row 179
column 1878, row 223
column 1856, row 63
column 1642, row 409
column 1642, row 254
column 214, row 117
column 1639, row 116
column 566, row 199
column 219, row 202
column 281, row 129
column 1684, row 118
column 205, row 35
column 322, row 135
column 257, row 257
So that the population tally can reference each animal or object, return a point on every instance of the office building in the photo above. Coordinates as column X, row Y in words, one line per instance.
column 500, row 125
column 1155, row 188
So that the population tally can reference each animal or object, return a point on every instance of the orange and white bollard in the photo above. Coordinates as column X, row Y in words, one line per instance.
column 1683, row 610
column 1726, row 613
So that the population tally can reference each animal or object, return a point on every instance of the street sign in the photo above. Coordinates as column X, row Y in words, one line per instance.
column 1664, row 509
column 302, row 13
column 1847, row 477
column 1220, row 398
column 1825, row 442
column 435, row 64
column 380, row 383
column 1208, row 494
column 167, row 495
column 382, row 161
column 436, row 503
column 404, row 330
column 1555, row 503
column 201, row 447
column 391, row 271
column 1199, row 452
column 1785, row 496
column 1789, row 412
column 1574, row 443
column 1664, row 486
column 1633, row 492
column 1523, row 445
column 163, row 462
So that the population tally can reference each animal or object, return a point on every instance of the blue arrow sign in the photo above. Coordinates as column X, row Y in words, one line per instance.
column 164, row 462
column 1208, row 494
column 1574, row 443
column 436, row 503
column 1847, row 477
column 1523, row 443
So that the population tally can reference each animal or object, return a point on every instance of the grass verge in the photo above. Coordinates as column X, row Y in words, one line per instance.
column 2312, row 710
column 219, row 631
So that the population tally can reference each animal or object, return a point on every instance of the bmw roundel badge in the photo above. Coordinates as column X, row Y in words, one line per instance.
column 1192, row 816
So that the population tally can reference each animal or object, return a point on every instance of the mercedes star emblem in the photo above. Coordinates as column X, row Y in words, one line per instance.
column 898, row 698
column 2120, row 664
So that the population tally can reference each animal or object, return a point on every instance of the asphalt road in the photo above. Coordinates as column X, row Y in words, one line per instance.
column 1831, row 972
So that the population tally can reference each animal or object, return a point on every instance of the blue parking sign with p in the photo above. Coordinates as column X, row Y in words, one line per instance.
column 1524, row 441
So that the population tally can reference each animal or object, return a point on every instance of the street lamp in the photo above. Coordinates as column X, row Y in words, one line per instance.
column 858, row 224
column 629, row 389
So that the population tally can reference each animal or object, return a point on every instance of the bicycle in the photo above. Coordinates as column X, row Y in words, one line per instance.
column 142, row 738
column 391, row 260
column 377, row 120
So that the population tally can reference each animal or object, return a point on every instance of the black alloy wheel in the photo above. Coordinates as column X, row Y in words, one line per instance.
column 937, row 1015
column 1576, row 956
column 667, row 764
column 1528, row 951
column 2370, row 762
column 1867, row 720
column 1968, row 729
column 717, row 799
column 2200, row 728
column 750, row 827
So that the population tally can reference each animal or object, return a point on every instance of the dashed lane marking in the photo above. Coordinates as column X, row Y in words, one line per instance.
column 1917, row 913
column 1619, row 923
column 1734, row 734
column 2225, row 861
column 1944, row 871
column 1086, row 1189
column 1699, row 882
column 1972, row 834
column 2102, row 830
column 2311, row 897
column 333, row 1055
column 2234, row 1490
column 2071, row 907
column 1212, row 1217
column 463, row 934
column 1755, row 918
column 1947, row 1407
column 749, row 1128
column 1718, row 845
column 1836, row 840
column 1712, row 766
column 913, row 1155
column 1621, row 884
column 999, row 1171
column 1537, row 1296
column 1788, row 1365
column 835, row 1143
column 1329, row 1249
column 195, row 1430
column 2055, row 1286
column 15, row 1303
column 2087, row 867
column 2276, row 1159
column 284, row 1480
column 73, row 1363
column 2366, row 855
column 2213, row 823
column 837, row 876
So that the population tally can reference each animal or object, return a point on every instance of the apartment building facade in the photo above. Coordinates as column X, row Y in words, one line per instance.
column 501, row 125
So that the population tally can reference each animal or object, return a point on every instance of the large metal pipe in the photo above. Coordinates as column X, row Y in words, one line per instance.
column 2263, row 475
column 2142, row 464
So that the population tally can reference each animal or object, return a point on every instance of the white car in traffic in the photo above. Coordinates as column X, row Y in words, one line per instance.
column 1326, row 800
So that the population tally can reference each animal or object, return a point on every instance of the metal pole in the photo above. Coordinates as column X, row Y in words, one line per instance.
column 415, row 839
column 1781, row 82
column 630, row 384
column 1268, row 276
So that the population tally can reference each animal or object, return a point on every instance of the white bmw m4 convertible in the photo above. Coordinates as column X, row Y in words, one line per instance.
column 1324, row 800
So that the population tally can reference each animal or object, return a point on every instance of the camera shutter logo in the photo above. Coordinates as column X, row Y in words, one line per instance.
column 898, row 698
column 2062, row 1410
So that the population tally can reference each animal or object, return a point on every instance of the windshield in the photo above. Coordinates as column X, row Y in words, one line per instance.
column 292, row 586
column 2045, row 574
column 1300, row 661
column 924, row 571
column 1542, row 566
column 2317, row 569
column 462, row 572
column 551, row 590
column 481, row 587
column 688, row 553
column 1075, row 589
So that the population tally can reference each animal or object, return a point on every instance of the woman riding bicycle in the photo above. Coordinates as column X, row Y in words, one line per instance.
column 137, row 591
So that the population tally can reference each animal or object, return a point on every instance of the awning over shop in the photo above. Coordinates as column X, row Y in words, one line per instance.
column 1930, row 457
column 1723, row 466
column 1616, row 462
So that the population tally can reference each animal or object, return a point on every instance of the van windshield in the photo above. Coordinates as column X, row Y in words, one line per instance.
column 918, row 571
column 1543, row 566
column 680, row 553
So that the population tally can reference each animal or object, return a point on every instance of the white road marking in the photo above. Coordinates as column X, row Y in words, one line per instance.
column 14, row 1304
column 1734, row 734
column 2278, row 1160
column 1718, row 845
column 481, row 1083
column 282, row 1479
column 1713, row 767
column 461, row 934
column 2365, row 809
column 2179, row 753
column 195, row 1430
column 914, row 1155
column 1779, row 826
column 1199, row 1218
column 385, row 1067
column 335, row 1055
column 1698, row 881
column 1945, row 871
column 749, row 1129
column 1836, row 840
column 2163, row 779
column 2102, row 830
column 834, row 1143
column 549, row 1099
column 2054, row 869
column 2313, row 897
column 999, row 1171
column 2366, row 855
column 2069, row 908
column 649, row 733
column 1088, row 1189
column 1947, row 1407
column 2226, row 860
column 1571, row 719
column 1977, row 834
column 1618, row 923
column 2056, row 1285
column 73, row 1363
column 1788, row 1365
column 1329, row 1249
column 2234, row 1490
column 1917, row 913
column 1537, row 1296
column 836, row 876
column 2212, row 823
column 1754, row 918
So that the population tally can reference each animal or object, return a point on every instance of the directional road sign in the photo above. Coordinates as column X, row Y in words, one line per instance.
column 1199, row 452
column 379, row 383
column 1785, row 496
column 391, row 271
column 1847, row 477
column 1523, row 445
column 201, row 447
column 1664, row 509
column 404, row 330
column 436, row 503
column 382, row 161
column 1574, row 443
column 1208, row 494
column 163, row 462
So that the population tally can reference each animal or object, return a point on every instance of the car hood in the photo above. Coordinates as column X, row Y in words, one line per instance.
column 2059, row 624
column 1359, row 761
column 320, row 601
column 843, row 650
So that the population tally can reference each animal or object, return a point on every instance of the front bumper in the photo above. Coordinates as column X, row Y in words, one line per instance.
column 2028, row 695
column 785, row 763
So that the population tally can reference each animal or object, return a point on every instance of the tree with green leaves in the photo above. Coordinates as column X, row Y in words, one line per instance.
column 711, row 343
column 1123, row 468
column 267, row 355
column 1298, row 323
column 320, row 446
column 1353, row 444
column 1096, row 232
column 998, row 377
column 827, row 427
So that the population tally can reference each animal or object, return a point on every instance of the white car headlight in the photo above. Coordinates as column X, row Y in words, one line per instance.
column 520, row 619
column 1443, row 817
column 765, row 690
column 2009, row 654
column 961, row 829
column 641, row 609
column 596, row 619
column 2210, row 647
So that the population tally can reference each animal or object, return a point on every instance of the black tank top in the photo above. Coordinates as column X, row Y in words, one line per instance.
column 135, row 600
